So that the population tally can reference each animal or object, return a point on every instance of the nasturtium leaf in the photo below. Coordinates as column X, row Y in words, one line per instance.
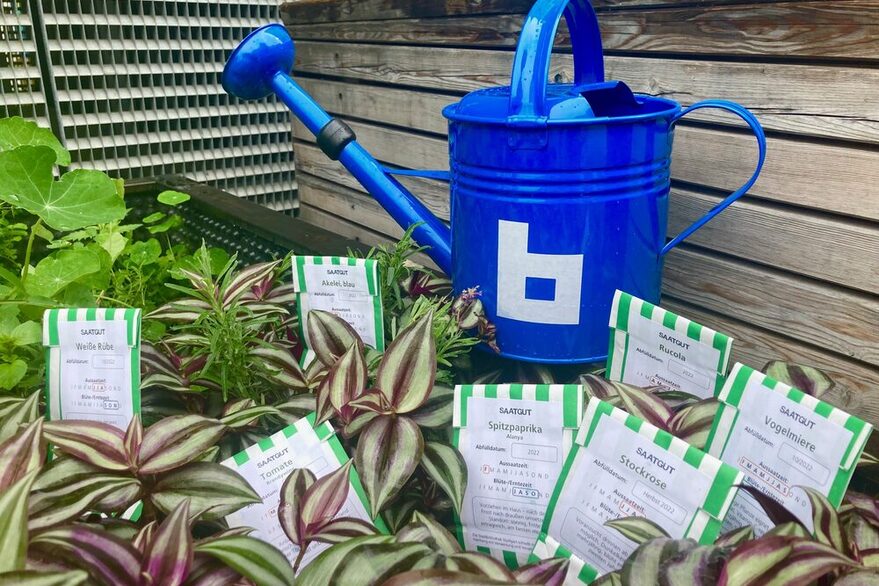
column 11, row 373
column 13, row 523
column 153, row 218
column 388, row 451
column 173, row 198
column 60, row 269
column 447, row 468
column 80, row 198
column 27, row 333
column 16, row 132
column 113, row 242
column 169, row 223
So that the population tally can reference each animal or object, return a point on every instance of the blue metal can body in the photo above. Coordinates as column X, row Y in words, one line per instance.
column 550, row 219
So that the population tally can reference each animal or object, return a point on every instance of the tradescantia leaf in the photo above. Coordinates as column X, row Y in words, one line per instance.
column 370, row 563
column 638, row 529
column 863, row 536
column 425, row 529
column 550, row 572
column 324, row 406
column 22, row 454
column 144, row 537
column 865, row 506
column 858, row 579
column 207, row 571
column 96, row 443
column 330, row 336
column 699, row 566
column 408, row 368
column 447, row 468
column 437, row 410
column 828, row 529
column 254, row 559
column 646, row 405
column 479, row 564
column 245, row 417
column 15, row 131
column 388, row 451
column 245, row 279
column 735, row 537
column 69, row 501
column 80, row 198
column 15, row 412
column 322, row 569
column 292, row 493
column 808, row 379
column 790, row 530
column 283, row 360
column 343, row 529
column 175, row 441
column 323, row 500
column 132, row 440
column 34, row 578
column 182, row 310
column 296, row 407
column 345, row 381
column 438, row 577
column 693, row 423
column 806, row 562
column 776, row 512
column 755, row 558
column 643, row 565
column 609, row 579
column 13, row 523
column 212, row 490
column 109, row 560
column 169, row 556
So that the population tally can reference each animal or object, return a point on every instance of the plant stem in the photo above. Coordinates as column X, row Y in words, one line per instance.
column 300, row 557
column 28, row 250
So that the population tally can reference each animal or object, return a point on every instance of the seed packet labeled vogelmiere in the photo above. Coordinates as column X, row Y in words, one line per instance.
column 782, row 438
column 621, row 466
column 651, row 346
column 92, row 364
column 347, row 287
column 514, row 439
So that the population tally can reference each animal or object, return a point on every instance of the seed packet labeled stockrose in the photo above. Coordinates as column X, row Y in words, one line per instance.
column 268, row 463
column 621, row 466
column 347, row 287
column 650, row 346
column 92, row 364
column 514, row 439
column 782, row 438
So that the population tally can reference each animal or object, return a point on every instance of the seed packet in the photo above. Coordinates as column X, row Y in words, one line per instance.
column 268, row 463
column 650, row 346
column 782, row 438
column 347, row 287
column 514, row 439
column 621, row 466
column 92, row 364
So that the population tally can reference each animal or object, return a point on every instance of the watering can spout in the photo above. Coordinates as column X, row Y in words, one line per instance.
column 261, row 65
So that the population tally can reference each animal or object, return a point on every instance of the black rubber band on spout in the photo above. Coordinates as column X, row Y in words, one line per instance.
column 334, row 137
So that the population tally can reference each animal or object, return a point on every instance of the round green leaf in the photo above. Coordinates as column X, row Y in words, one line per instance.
column 173, row 198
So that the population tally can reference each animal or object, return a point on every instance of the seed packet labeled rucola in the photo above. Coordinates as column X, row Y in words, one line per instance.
column 347, row 287
column 782, row 438
column 268, row 463
column 92, row 364
column 650, row 346
column 514, row 439
column 621, row 466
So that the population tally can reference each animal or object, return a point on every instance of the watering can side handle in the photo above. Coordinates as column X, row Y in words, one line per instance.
column 757, row 129
column 534, row 51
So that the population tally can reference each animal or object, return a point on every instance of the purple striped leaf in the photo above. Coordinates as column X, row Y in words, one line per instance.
column 169, row 556
column 755, row 558
column 282, row 294
column 866, row 506
column 108, row 559
column 64, row 470
column 536, row 374
column 423, row 281
column 289, row 511
column 346, row 381
column 343, row 529
column 15, row 412
column 254, row 559
column 388, row 451
column 869, row 558
column 368, row 563
column 808, row 379
column 408, row 368
column 48, row 508
column 175, row 441
column 360, row 421
column 13, row 523
column 144, row 537
column 445, row 465
column 247, row 417
column 776, row 512
column 471, row 562
column 132, row 440
column 637, row 529
column 440, row 577
column 858, row 579
column 212, row 490
column 373, row 401
column 96, row 443
column 736, row 537
column 324, row 406
column 207, row 571
column 34, row 578
column 22, row 454
column 693, row 423
column 152, row 359
column 323, row 500
column 807, row 561
column 283, row 360
column 550, row 572
column 181, row 310
column 322, row 569
column 790, row 530
column 828, row 529
column 437, row 410
column 609, row 579
column 642, row 567
column 425, row 529
column 330, row 336
column 245, row 279
column 296, row 407
column 700, row 566
column 862, row 537
column 644, row 404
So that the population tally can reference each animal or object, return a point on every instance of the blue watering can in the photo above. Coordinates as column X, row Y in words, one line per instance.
column 559, row 192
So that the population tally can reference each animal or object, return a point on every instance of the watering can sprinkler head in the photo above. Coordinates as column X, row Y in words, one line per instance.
column 257, row 59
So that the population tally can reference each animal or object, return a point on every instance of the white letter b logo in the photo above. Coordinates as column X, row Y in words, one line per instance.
column 532, row 287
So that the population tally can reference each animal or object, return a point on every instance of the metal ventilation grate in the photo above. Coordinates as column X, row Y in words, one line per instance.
column 21, row 90
column 137, row 88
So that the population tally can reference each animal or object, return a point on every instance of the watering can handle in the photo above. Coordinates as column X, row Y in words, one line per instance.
column 757, row 129
column 534, row 51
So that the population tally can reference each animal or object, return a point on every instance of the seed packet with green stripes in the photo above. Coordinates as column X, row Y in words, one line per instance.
column 348, row 287
column 514, row 439
column 650, row 346
column 92, row 364
column 267, row 464
column 781, row 439
column 621, row 466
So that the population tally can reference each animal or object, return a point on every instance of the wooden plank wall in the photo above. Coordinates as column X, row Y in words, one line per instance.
column 792, row 270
